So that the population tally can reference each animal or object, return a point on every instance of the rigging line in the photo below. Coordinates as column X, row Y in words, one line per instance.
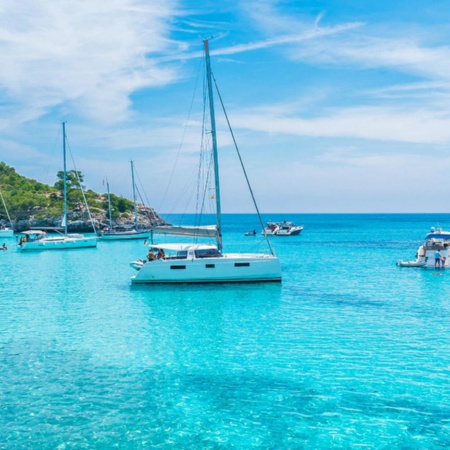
column 182, row 138
column 81, row 187
column 142, row 187
column 203, row 146
column 243, row 168
column 57, row 139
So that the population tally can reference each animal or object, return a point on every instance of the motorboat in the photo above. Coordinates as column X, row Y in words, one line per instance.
column 288, row 229
column 435, row 248
column 271, row 229
column 282, row 229
column 205, row 263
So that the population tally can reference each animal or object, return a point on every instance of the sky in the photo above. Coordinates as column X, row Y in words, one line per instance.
column 337, row 106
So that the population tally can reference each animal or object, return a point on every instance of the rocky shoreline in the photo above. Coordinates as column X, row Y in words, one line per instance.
column 79, row 221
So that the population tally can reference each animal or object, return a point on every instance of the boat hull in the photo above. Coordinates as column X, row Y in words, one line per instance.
column 124, row 236
column 231, row 268
column 57, row 243
column 411, row 264
column 292, row 232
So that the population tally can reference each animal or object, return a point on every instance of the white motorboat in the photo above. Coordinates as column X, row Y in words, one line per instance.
column 282, row 229
column 271, row 229
column 6, row 231
column 433, row 252
column 205, row 263
column 288, row 229
column 39, row 240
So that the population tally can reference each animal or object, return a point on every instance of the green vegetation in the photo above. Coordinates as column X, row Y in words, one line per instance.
column 25, row 197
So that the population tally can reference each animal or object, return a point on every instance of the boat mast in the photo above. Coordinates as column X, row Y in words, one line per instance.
column 134, row 197
column 109, row 207
column 6, row 209
column 214, row 145
column 65, row 179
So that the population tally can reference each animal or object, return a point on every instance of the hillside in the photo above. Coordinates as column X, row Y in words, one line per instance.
column 34, row 204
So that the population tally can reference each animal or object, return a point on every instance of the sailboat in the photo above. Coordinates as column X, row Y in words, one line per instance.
column 116, row 233
column 6, row 232
column 205, row 263
column 39, row 240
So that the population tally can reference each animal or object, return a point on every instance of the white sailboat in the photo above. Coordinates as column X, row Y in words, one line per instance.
column 119, row 233
column 6, row 232
column 39, row 240
column 205, row 263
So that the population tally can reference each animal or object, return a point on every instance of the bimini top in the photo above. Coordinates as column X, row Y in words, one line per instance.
column 182, row 247
column 438, row 234
column 33, row 232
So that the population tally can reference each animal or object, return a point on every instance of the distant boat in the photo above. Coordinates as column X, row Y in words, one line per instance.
column 282, row 229
column 120, row 232
column 6, row 232
column 204, row 263
column 39, row 240
column 437, row 240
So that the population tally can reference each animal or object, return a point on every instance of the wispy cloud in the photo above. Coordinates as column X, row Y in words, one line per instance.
column 80, row 54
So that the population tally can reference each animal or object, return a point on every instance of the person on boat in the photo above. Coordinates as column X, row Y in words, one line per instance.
column 161, row 254
column 151, row 256
column 421, row 254
column 4, row 247
column 437, row 259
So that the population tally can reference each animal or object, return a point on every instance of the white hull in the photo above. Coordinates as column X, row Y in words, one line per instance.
column 282, row 229
column 225, row 269
column 294, row 231
column 8, row 233
column 416, row 263
column 125, row 235
column 59, row 243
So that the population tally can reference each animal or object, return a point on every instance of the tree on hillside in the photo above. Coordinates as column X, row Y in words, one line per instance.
column 73, row 180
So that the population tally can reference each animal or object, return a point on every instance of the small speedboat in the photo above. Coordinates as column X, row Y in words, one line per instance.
column 250, row 233
column 289, row 229
column 282, row 229
column 271, row 229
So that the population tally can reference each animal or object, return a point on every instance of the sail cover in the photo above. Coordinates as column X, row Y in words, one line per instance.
column 204, row 231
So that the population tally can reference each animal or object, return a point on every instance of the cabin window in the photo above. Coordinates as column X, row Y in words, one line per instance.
column 207, row 253
column 182, row 254
column 241, row 264
column 210, row 266
column 177, row 267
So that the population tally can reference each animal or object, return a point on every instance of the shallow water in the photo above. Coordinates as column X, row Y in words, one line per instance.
column 348, row 351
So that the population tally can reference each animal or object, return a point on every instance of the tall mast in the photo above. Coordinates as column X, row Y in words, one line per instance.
column 214, row 145
column 109, row 206
column 65, row 178
column 6, row 210
column 134, row 197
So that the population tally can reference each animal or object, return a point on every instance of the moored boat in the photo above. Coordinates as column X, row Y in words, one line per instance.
column 282, row 229
column 39, row 240
column 433, row 252
column 205, row 263
column 116, row 233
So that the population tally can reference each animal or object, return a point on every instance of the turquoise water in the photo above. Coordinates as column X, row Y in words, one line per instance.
column 348, row 351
